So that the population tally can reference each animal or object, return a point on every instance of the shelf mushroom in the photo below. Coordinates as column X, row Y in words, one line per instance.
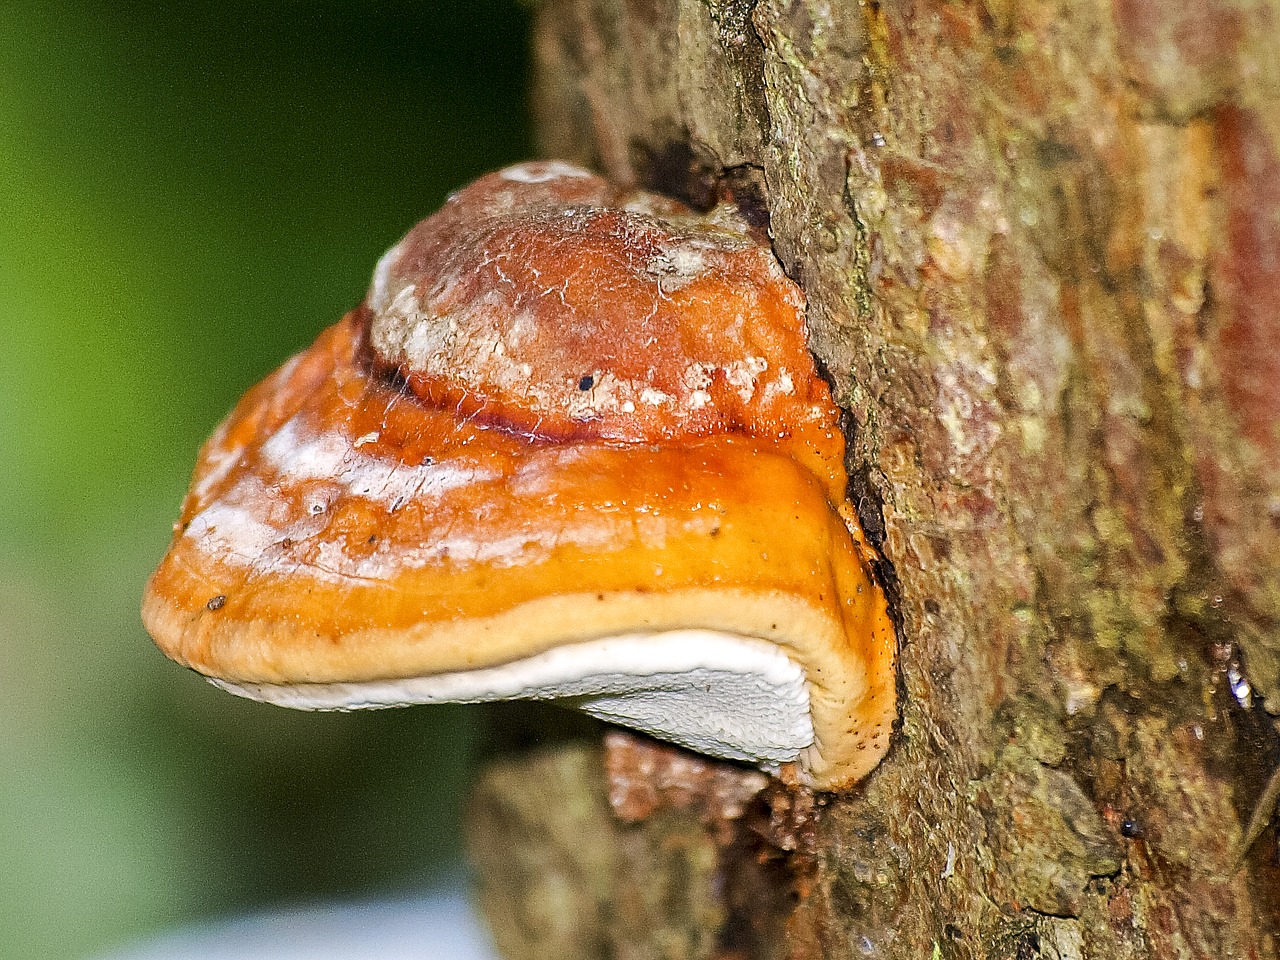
column 572, row 446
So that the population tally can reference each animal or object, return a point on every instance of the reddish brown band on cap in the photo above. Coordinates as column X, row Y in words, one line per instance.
column 564, row 412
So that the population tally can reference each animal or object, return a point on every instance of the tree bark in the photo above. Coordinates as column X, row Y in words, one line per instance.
column 1041, row 248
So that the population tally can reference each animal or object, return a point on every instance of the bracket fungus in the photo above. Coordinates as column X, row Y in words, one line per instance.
column 571, row 446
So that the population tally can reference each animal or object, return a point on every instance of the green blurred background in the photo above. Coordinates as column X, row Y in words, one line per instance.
column 188, row 194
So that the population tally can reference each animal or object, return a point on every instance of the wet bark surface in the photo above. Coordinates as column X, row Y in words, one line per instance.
column 1041, row 249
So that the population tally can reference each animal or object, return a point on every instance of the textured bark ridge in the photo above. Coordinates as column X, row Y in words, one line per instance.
column 1041, row 248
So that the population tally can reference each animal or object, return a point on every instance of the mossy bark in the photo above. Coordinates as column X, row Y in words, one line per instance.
column 1041, row 248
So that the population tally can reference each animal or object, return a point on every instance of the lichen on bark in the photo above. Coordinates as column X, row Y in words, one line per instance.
column 1040, row 244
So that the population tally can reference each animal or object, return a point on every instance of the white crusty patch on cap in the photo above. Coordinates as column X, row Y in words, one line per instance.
column 256, row 522
column 299, row 456
column 717, row 693
column 678, row 264
column 540, row 171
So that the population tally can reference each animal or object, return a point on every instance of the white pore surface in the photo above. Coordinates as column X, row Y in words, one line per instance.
column 717, row 693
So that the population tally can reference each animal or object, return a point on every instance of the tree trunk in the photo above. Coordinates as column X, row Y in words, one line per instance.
column 1041, row 248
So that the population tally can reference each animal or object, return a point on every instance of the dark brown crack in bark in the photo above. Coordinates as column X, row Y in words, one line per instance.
column 1041, row 248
